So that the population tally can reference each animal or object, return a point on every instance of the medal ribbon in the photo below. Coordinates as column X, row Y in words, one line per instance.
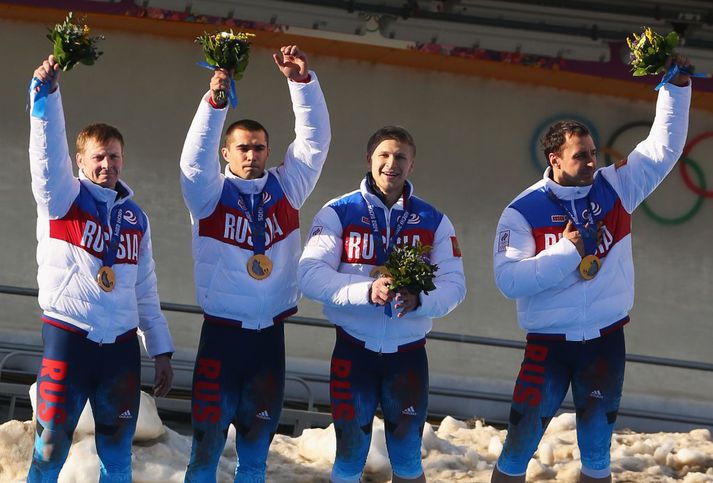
column 589, row 235
column 382, row 254
column 40, row 90
column 673, row 71
column 113, row 246
column 257, row 223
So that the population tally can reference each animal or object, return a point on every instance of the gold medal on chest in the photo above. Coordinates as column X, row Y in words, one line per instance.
column 106, row 278
column 589, row 267
column 379, row 271
column 259, row 266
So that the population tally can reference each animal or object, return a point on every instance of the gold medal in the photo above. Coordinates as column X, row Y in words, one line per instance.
column 259, row 266
column 589, row 266
column 106, row 278
column 379, row 271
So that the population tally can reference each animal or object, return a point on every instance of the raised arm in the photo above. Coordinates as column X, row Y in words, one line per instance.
column 201, row 179
column 306, row 155
column 650, row 162
column 53, row 183
column 318, row 271
column 519, row 271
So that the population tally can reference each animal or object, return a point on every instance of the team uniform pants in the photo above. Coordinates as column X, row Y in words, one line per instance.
column 595, row 370
column 362, row 379
column 239, row 378
column 74, row 370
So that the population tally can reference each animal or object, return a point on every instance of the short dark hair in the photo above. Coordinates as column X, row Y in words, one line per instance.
column 246, row 125
column 101, row 133
column 396, row 133
column 556, row 136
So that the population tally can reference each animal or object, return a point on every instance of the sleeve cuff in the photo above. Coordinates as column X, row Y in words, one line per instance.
column 359, row 293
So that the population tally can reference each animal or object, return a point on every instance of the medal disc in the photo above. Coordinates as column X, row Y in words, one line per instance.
column 379, row 271
column 106, row 278
column 589, row 266
column 259, row 266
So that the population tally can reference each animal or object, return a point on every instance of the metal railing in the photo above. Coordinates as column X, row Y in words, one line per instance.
column 304, row 379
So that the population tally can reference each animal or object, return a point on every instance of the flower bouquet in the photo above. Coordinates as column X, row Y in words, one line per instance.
column 72, row 45
column 649, row 52
column 229, row 51
column 410, row 267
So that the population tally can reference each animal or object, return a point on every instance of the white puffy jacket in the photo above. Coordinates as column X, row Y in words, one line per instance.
column 339, row 256
column 70, row 240
column 221, row 238
column 536, row 266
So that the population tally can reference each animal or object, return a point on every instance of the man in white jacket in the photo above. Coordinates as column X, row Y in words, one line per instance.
column 563, row 251
column 97, row 285
column 379, row 359
column 246, row 245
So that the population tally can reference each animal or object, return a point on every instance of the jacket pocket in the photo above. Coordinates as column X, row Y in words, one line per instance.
column 63, row 285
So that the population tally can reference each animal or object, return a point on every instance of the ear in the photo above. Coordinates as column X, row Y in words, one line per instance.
column 224, row 153
column 554, row 162
column 78, row 159
column 268, row 150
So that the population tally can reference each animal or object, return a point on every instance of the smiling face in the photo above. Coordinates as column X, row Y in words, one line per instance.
column 101, row 162
column 576, row 162
column 391, row 164
column 246, row 153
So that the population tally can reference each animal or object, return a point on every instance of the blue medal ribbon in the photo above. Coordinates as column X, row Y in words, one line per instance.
column 232, row 95
column 256, row 221
column 109, row 256
column 589, row 234
column 40, row 90
column 382, row 254
column 673, row 71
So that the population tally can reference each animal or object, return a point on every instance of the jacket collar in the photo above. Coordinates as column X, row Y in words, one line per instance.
column 375, row 200
column 247, row 186
column 107, row 195
column 564, row 192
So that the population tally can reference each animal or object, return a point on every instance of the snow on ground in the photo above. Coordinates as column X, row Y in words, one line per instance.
column 455, row 452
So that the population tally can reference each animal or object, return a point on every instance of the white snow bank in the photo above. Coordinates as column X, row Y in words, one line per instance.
column 456, row 452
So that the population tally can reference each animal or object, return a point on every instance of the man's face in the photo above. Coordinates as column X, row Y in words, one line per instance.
column 391, row 164
column 576, row 163
column 246, row 153
column 100, row 162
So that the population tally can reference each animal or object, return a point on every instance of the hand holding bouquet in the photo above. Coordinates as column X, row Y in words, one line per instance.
column 410, row 268
column 228, row 51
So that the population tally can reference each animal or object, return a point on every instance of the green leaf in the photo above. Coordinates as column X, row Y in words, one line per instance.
column 672, row 40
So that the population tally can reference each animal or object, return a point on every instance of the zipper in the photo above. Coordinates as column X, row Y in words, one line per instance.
column 574, row 211
column 387, row 216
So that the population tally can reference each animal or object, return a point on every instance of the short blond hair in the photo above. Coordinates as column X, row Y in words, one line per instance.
column 101, row 133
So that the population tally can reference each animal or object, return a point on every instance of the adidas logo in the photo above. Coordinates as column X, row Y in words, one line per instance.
column 263, row 415
column 409, row 411
column 125, row 415
column 597, row 394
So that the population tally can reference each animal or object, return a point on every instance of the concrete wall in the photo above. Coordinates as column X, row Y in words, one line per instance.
column 474, row 156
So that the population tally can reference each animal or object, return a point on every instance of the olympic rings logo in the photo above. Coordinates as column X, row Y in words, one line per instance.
column 697, row 186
